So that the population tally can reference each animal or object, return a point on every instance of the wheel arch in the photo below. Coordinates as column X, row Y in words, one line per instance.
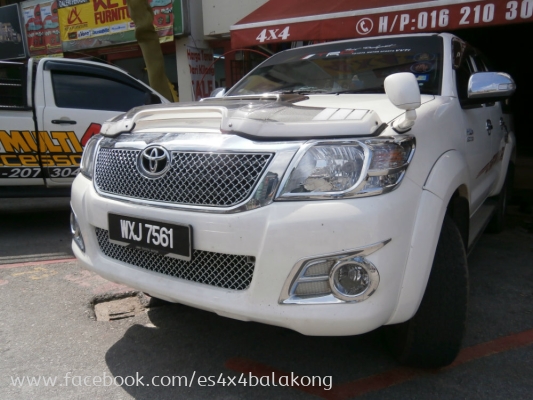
column 445, row 192
column 459, row 210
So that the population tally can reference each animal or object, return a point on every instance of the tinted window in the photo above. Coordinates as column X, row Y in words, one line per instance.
column 12, row 86
column 354, row 66
column 95, row 93
column 466, row 68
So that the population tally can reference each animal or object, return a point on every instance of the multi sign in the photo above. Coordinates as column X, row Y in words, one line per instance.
column 439, row 15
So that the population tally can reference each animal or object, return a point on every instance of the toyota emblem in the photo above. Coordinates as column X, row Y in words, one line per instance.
column 153, row 161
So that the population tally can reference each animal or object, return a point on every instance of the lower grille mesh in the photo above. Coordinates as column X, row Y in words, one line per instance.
column 216, row 269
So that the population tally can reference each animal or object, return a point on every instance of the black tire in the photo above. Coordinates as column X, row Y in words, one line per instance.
column 497, row 221
column 432, row 338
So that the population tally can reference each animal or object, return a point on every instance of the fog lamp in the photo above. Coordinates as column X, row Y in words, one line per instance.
column 353, row 280
column 76, row 231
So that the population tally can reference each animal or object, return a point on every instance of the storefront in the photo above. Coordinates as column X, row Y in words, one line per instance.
column 12, row 44
column 500, row 29
column 104, row 30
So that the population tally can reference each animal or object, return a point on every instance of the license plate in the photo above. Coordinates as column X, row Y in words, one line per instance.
column 172, row 240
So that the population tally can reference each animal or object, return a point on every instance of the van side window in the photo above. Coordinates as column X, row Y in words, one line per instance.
column 12, row 86
column 93, row 92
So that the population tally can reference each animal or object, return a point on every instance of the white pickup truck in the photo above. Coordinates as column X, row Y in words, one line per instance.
column 335, row 189
column 65, row 101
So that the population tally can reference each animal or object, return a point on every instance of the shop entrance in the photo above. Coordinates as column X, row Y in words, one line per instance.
column 507, row 47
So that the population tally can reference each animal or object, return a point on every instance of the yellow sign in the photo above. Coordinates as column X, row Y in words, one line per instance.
column 24, row 149
column 92, row 19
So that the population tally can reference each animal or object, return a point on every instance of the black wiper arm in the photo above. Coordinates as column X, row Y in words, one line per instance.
column 301, row 90
column 366, row 90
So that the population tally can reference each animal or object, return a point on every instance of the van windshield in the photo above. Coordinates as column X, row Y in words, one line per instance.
column 347, row 67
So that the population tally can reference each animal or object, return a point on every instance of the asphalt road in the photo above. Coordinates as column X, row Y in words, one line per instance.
column 34, row 229
column 48, row 330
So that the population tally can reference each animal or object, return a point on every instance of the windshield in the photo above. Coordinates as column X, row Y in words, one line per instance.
column 348, row 67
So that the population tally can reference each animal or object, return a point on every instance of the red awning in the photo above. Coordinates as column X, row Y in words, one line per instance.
column 293, row 20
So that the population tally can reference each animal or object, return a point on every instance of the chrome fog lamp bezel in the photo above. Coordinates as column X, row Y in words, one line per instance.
column 75, row 231
column 298, row 275
column 371, row 271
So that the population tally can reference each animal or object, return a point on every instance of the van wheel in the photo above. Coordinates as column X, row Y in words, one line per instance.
column 432, row 337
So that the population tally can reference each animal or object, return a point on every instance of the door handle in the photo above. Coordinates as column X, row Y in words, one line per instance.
column 64, row 121
column 489, row 126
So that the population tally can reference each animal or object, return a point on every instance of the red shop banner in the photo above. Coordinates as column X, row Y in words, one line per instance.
column 406, row 18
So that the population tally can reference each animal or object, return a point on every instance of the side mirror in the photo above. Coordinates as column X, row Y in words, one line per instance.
column 218, row 92
column 403, row 91
column 490, row 86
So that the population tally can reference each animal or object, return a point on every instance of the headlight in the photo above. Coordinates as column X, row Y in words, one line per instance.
column 327, row 168
column 88, row 157
column 340, row 169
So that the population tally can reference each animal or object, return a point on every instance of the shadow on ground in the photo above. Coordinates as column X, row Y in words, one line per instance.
column 37, row 227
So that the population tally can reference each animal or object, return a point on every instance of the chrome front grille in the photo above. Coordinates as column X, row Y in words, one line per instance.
column 226, row 271
column 194, row 178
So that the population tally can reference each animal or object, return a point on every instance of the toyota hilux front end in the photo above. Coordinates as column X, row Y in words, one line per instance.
column 312, row 197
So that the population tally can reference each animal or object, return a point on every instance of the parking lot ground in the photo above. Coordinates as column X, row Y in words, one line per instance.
column 48, row 331
column 40, row 226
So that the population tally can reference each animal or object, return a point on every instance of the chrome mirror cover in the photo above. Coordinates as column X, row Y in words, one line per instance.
column 490, row 85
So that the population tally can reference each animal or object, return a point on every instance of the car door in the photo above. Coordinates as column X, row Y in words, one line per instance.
column 78, row 98
column 477, row 134
column 498, row 126
column 19, row 163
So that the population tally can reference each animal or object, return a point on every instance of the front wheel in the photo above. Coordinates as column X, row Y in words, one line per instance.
column 432, row 337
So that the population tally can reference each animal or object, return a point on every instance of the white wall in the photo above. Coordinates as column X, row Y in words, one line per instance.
column 207, row 18
column 219, row 15
column 196, row 39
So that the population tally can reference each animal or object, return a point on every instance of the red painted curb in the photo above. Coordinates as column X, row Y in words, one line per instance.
column 32, row 263
column 388, row 378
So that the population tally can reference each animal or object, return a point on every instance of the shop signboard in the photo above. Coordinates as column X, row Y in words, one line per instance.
column 282, row 21
column 202, row 71
column 180, row 23
column 42, row 27
column 99, row 23
column 12, row 42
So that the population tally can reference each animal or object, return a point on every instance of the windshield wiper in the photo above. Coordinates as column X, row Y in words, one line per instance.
column 365, row 90
column 301, row 90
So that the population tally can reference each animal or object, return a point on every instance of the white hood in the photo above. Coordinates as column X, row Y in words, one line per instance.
column 380, row 103
column 266, row 118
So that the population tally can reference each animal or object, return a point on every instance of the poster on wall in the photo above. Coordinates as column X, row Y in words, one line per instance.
column 42, row 27
column 99, row 23
column 12, row 43
column 163, row 19
column 202, row 71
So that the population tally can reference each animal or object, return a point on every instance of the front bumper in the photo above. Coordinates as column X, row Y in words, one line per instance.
column 278, row 236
